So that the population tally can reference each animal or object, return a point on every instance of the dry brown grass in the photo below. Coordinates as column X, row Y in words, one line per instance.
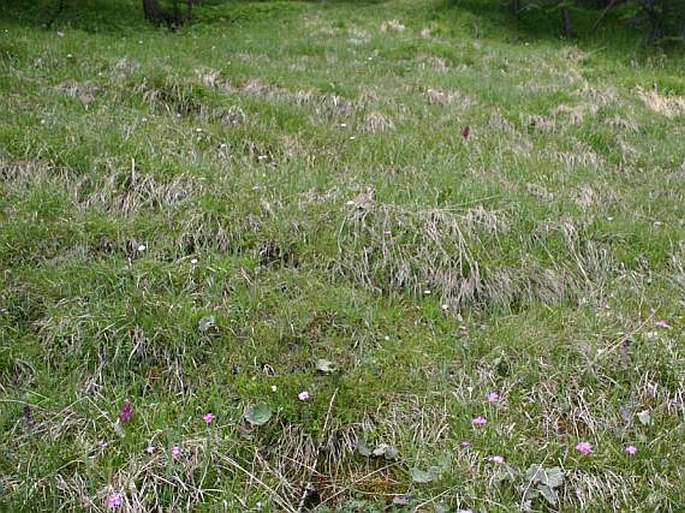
column 393, row 25
column 440, row 97
column 377, row 122
column 435, row 63
column 667, row 105
column 85, row 91
column 395, row 249
column 120, row 192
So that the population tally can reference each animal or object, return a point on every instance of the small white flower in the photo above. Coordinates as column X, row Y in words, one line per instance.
column 274, row 388
column 303, row 396
column 142, row 248
column 193, row 261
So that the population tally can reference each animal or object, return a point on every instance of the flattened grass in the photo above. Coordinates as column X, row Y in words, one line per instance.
column 303, row 174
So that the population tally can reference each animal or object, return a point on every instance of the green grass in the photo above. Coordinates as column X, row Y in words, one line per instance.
column 296, row 171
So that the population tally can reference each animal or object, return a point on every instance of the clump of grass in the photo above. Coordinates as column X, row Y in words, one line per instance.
column 348, row 258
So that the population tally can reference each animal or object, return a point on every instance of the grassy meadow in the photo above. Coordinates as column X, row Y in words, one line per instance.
column 339, row 256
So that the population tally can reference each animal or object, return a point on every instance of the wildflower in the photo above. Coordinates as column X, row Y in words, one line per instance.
column 175, row 452
column 662, row 324
column 464, row 511
column 102, row 444
column 496, row 459
column 126, row 412
column 493, row 397
column 465, row 444
column 479, row 421
column 584, row 447
column 150, row 449
column 631, row 450
column 303, row 396
column 208, row 417
column 115, row 500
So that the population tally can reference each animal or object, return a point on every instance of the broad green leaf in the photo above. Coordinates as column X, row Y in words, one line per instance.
column 363, row 448
column 388, row 451
column 401, row 500
column 549, row 494
column 645, row 417
column 553, row 477
column 325, row 366
column 258, row 414
column 207, row 323
column 391, row 453
column 421, row 476
column 534, row 473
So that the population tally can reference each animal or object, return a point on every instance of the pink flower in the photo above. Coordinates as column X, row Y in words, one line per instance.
column 466, row 444
column 126, row 411
column 662, row 324
column 493, row 397
column 496, row 459
column 150, row 449
column 631, row 450
column 464, row 511
column 115, row 500
column 102, row 444
column 303, row 396
column 479, row 421
column 176, row 452
column 208, row 417
column 584, row 447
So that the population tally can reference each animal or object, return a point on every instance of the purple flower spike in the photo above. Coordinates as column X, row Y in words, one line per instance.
column 126, row 412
